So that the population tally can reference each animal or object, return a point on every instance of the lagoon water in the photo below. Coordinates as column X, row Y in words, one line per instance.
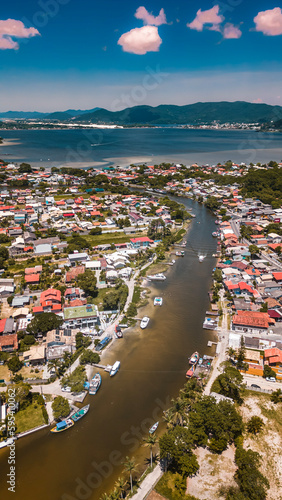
column 83, row 462
column 95, row 147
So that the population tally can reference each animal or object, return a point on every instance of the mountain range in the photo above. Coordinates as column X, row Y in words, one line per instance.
column 165, row 114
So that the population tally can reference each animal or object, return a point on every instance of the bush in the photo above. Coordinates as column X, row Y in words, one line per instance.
column 60, row 407
column 45, row 415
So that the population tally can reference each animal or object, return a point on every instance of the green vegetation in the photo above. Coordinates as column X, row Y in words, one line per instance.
column 81, row 341
column 60, row 407
column 43, row 323
column 173, row 486
column 14, row 363
column 116, row 298
column 75, row 380
column 89, row 357
column 268, row 372
column 255, row 425
column 87, row 281
column 229, row 383
column 29, row 417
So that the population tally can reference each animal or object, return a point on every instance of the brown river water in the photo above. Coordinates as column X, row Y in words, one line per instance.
column 86, row 460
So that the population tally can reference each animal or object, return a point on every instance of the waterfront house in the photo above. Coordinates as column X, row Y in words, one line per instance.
column 142, row 242
column 81, row 317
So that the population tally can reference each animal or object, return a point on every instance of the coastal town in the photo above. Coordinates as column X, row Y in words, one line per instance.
column 79, row 250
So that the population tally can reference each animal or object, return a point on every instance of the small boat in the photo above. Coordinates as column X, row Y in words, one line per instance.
column 118, row 333
column 190, row 372
column 180, row 254
column 201, row 258
column 115, row 368
column 157, row 277
column 214, row 234
column 80, row 413
column 193, row 360
column 63, row 425
column 154, row 428
column 95, row 384
column 158, row 301
column 144, row 322
column 200, row 361
column 217, row 222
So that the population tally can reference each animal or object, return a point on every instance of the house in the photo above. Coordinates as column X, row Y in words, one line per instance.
column 57, row 351
column 251, row 322
column 77, row 257
column 32, row 279
column 50, row 300
column 20, row 300
column 142, row 242
column 8, row 343
column 35, row 355
column 81, row 316
column 72, row 293
column 62, row 336
column 273, row 357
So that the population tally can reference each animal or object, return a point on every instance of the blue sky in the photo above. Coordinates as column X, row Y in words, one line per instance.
column 87, row 53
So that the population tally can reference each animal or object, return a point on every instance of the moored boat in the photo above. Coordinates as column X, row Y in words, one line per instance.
column 190, row 372
column 95, row 384
column 80, row 413
column 118, row 333
column 180, row 254
column 144, row 322
column 157, row 277
column 214, row 234
column 63, row 425
column 158, row 301
column 201, row 258
column 115, row 368
column 154, row 428
column 193, row 360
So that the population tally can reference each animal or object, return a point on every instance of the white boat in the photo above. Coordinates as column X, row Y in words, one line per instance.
column 158, row 301
column 95, row 384
column 115, row 368
column 157, row 277
column 154, row 428
column 201, row 258
column 144, row 322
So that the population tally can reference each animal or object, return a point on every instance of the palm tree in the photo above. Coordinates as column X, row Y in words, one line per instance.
column 130, row 466
column 177, row 412
column 105, row 497
column 120, row 484
column 150, row 442
column 230, row 352
column 56, row 364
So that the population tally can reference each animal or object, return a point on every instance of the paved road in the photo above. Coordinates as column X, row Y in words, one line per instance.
column 223, row 336
column 262, row 383
column 148, row 484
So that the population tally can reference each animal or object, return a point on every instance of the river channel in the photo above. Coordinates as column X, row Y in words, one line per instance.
column 83, row 462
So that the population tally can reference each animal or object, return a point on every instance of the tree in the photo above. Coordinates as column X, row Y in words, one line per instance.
column 254, row 250
column 14, row 363
column 276, row 396
column 150, row 441
column 229, row 383
column 250, row 480
column 44, row 322
column 87, row 281
column 212, row 203
column 22, row 391
column 60, row 407
column 130, row 466
column 25, row 168
column 120, row 484
column 55, row 364
column 255, row 425
column 89, row 357
column 4, row 255
column 241, row 353
column 76, row 379
column 268, row 372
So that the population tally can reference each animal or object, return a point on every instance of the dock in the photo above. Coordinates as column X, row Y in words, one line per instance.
column 210, row 343
column 106, row 368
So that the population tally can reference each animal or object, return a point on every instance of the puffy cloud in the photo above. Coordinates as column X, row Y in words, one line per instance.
column 141, row 40
column 10, row 29
column 231, row 31
column 148, row 18
column 210, row 16
column 269, row 22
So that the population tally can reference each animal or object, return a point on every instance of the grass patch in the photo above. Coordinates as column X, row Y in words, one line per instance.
column 136, row 295
column 99, row 298
column 107, row 238
column 29, row 418
column 4, row 373
column 166, row 488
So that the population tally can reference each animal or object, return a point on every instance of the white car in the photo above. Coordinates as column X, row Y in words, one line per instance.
column 270, row 379
column 66, row 389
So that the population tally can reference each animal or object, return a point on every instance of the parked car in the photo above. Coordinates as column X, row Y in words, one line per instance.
column 271, row 379
column 255, row 386
column 66, row 389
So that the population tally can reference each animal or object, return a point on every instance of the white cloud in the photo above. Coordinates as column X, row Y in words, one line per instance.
column 141, row 40
column 269, row 22
column 210, row 16
column 12, row 28
column 148, row 18
column 231, row 31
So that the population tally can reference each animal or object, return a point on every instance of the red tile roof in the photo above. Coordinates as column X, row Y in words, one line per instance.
column 251, row 318
column 7, row 340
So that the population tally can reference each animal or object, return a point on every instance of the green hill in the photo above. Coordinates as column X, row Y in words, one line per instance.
column 201, row 112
